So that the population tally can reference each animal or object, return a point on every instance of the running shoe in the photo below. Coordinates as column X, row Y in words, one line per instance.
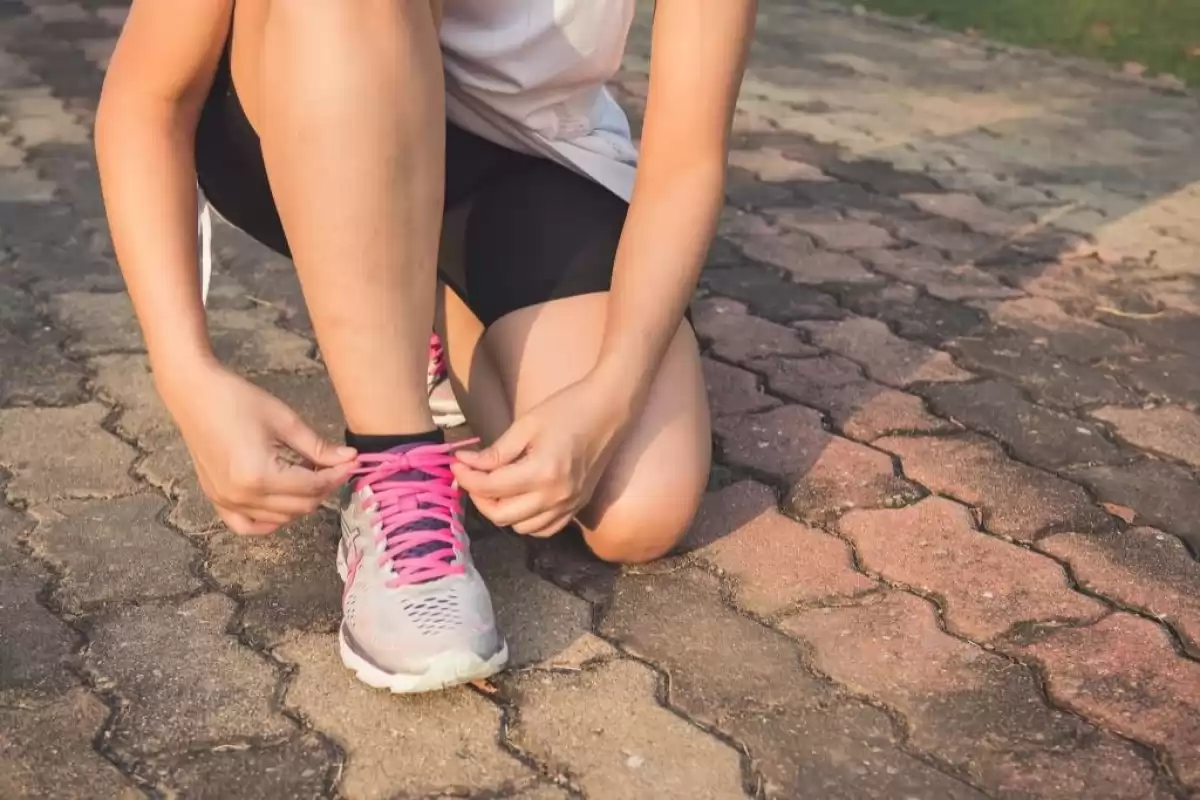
column 416, row 614
column 442, row 402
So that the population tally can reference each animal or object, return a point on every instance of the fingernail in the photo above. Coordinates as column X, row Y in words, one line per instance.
column 347, row 452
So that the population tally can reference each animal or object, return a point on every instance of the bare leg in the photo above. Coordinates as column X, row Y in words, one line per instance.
column 647, row 498
column 353, row 130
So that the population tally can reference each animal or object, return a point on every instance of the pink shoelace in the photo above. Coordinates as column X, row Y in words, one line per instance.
column 419, row 508
column 437, row 359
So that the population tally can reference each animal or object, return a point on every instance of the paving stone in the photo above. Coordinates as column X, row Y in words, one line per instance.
column 1123, row 673
column 540, row 621
column 735, row 223
column 914, row 314
column 185, row 679
column 804, row 738
column 775, row 562
column 736, row 336
column 948, row 280
column 862, row 409
column 880, row 176
column 125, row 380
column 295, row 770
column 732, row 390
column 1048, row 377
column 411, row 745
column 112, row 550
column 840, row 235
column 1037, row 435
column 103, row 323
column 786, row 251
column 1172, row 376
column 48, row 752
column 947, row 236
column 1011, row 499
column 1173, row 330
column 771, row 165
column 973, row 709
column 969, row 210
column 744, row 189
column 287, row 582
column 38, row 649
column 988, row 585
column 848, row 196
column 1041, row 318
column 245, row 340
column 886, row 357
column 1161, row 494
column 828, row 474
column 169, row 468
column 768, row 296
column 36, row 372
column 1140, row 568
column 1169, row 430
column 63, row 452
column 605, row 728
column 566, row 560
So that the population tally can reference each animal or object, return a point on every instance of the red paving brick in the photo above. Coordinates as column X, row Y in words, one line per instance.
column 1123, row 673
column 828, row 474
column 861, row 408
column 774, row 561
column 988, row 585
column 1013, row 499
column 1141, row 568
column 1170, row 430
column 977, row 710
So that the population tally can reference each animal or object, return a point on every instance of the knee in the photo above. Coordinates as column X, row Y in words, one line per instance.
column 640, row 532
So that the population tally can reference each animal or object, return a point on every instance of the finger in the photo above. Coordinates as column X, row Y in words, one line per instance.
column 290, row 506
column 241, row 524
column 554, row 528
column 544, row 525
column 299, row 481
column 523, row 477
column 505, row 450
column 515, row 510
column 292, row 431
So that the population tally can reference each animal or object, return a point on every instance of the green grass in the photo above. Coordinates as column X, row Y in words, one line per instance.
column 1163, row 35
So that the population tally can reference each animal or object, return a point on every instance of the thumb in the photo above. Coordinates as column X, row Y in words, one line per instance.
column 505, row 450
column 305, row 441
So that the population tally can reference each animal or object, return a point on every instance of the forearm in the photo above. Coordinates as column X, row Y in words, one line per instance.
column 144, row 149
column 667, row 233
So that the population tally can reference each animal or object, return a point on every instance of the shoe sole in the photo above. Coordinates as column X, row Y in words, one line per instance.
column 449, row 420
column 451, row 669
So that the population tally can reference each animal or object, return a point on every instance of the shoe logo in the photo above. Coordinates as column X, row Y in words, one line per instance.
column 354, row 557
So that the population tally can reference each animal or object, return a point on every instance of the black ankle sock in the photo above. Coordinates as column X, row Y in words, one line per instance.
column 378, row 443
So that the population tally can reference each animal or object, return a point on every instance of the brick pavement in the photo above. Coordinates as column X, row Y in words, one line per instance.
column 951, row 329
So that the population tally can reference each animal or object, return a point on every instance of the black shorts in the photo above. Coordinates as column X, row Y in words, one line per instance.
column 534, row 230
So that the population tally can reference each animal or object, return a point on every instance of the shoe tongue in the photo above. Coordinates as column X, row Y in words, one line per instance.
column 427, row 548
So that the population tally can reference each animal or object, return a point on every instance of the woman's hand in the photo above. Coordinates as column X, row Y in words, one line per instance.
column 544, row 469
column 239, row 437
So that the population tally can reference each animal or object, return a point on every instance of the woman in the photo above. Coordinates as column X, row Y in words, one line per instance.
column 398, row 153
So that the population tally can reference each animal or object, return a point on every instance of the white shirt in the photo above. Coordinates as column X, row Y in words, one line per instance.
column 531, row 75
